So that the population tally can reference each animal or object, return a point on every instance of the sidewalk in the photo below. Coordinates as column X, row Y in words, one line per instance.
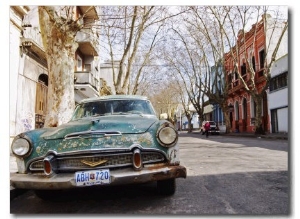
column 269, row 135
column 284, row 136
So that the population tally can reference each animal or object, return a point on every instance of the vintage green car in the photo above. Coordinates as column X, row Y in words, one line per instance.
column 110, row 140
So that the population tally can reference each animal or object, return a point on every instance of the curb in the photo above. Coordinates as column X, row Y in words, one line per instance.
column 283, row 137
column 250, row 135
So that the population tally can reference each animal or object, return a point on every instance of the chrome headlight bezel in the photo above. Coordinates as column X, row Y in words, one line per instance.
column 21, row 146
column 167, row 135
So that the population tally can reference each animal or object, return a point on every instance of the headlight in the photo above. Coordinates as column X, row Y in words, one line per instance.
column 21, row 147
column 167, row 136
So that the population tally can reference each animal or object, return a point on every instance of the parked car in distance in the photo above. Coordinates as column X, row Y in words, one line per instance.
column 214, row 129
column 110, row 140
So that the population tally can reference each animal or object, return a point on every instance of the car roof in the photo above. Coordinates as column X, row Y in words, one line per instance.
column 114, row 97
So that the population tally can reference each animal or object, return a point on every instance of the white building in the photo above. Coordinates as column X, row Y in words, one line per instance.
column 182, row 119
column 278, row 96
column 28, row 66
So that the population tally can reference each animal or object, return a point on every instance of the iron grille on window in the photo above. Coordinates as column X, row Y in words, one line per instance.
column 279, row 81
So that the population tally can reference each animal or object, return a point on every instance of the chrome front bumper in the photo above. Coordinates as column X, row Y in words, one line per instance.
column 118, row 177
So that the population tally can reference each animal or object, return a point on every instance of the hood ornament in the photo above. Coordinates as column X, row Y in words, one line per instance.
column 93, row 163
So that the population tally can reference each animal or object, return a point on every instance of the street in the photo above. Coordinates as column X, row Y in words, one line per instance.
column 225, row 175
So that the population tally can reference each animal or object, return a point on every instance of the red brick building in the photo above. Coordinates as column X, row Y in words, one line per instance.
column 250, row 46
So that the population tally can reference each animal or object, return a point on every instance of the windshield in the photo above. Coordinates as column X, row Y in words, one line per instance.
column 113, row 107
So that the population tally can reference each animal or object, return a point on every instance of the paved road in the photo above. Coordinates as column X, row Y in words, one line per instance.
column 226, row 175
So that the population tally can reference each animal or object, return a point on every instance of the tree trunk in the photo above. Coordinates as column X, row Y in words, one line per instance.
column 190, row 128
column 60, row 48
column 258, row 119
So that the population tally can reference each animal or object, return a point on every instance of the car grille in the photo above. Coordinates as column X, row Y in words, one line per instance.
column 76, row 163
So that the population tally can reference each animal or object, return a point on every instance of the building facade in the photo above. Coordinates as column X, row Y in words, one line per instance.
column 257, row 45
column 28, row 66
column 218, row 84
column 278, row 97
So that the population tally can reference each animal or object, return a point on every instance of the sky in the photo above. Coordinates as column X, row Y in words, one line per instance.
column 294, row 13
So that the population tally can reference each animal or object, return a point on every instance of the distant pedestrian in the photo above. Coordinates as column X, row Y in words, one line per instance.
column 207, row 127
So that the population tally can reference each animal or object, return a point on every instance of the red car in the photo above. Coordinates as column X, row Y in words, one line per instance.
column 214, row 129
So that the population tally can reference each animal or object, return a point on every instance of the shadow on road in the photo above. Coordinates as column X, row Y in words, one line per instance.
column 254, row 193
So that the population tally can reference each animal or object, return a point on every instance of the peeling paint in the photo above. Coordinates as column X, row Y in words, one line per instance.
column 123, row 141
column 173, row 154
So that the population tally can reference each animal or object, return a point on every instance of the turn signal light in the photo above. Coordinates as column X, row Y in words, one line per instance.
column 48, row 167
column 137, row 159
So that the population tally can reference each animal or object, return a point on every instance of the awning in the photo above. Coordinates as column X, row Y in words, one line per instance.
column 208, row 109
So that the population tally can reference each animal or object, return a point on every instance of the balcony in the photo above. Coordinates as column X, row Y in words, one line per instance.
column 31, row 44
column 89, row 11
column 235, row 86
column 87, row 42
column 86, row 85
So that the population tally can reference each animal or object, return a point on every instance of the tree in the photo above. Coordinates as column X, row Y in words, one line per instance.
column 273, row 30
column 130, row 35
column 216, row 29
column 59, row 26
column 166, row 100
column 185, row 64
column 208, row 37
column 125, row 26
column 185, row 103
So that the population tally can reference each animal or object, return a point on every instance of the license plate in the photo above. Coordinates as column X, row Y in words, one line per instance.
column 92, row 177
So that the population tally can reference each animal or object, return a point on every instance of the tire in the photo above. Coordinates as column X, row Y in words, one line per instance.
column 166, row 187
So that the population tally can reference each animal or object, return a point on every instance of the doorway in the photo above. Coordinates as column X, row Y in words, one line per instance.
column 245, row 114
column 274, row 121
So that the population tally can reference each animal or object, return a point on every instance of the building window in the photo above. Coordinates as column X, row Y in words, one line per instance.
column 41, row 100
column 278, row 82
column 237, row 111
column 243, row 69
column 236, row 76
column 87, row 67
column 252, row 111
column 262, row 59
column 253, row 63
column 229, row 78
column 79, row 63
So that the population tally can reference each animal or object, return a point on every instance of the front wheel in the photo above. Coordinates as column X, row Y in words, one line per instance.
column 166, row 187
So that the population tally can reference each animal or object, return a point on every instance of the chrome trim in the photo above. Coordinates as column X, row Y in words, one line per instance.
column 137, row 152
column 94, row 151
column 118, row 177
column 52, row 161
column 60, row 163
column 25, row 137
column 88, row 134
column 165, row 125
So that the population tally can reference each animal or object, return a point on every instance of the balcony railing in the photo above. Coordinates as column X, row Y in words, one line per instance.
column 33, row 33
column 86, row 77
column 88, row 43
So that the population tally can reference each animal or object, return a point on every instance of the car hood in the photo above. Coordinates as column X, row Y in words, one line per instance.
column 124, row 124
